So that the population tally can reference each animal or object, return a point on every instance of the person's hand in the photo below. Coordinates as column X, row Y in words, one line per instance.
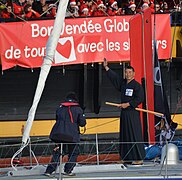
column 105, row 64
column 124, row 105
column 83, row 130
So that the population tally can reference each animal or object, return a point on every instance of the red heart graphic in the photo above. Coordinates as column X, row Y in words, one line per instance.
column 65, row 49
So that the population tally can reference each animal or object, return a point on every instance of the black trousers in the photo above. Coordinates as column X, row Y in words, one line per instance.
column 72, row 150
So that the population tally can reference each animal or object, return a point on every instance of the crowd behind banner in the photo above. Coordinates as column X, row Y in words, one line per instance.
column 26, row 9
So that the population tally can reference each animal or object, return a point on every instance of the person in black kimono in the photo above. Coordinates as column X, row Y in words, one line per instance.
column 131, row 141
column 69, row 116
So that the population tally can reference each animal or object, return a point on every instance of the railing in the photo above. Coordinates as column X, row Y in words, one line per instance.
column 93, row 153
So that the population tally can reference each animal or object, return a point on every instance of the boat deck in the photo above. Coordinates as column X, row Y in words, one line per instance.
column 149, row 170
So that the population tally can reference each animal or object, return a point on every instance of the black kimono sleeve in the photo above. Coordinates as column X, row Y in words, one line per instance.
column 115, row 79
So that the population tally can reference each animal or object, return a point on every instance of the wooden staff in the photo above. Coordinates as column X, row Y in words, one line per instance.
column 138, row 109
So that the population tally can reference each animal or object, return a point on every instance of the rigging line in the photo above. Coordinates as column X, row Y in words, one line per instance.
column 101, row 9
column 178, row 106
column 110, row 150
column 70, row 13
column 86, row 129
column 90, row 156
column 139, row 4
column 49, row 8
column 103, row 124
column 129, row 151
column 13, row 13
column 174, row 32
column 6, row 153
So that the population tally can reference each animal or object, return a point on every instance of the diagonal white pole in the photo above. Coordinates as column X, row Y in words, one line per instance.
column 45, row 68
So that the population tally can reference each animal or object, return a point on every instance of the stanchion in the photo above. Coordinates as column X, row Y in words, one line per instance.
column 60, row 165
column 97, row 148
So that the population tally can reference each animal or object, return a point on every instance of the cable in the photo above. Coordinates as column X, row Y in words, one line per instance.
column 18, row 153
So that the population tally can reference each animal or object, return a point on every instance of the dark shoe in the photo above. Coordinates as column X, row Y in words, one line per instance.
column 137, row 163
column 127, row 162
column 49, row 174
column 69, row 174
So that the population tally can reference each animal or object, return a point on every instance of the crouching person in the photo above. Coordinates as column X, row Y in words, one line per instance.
column 69, row 116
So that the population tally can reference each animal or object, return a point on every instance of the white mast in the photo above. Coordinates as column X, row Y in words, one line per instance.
column 45, row 68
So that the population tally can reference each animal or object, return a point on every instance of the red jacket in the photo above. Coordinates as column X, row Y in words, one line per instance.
column 111, row 12
column 6, row 15
column 18, row 8
column 32, row 15
column 99, row 13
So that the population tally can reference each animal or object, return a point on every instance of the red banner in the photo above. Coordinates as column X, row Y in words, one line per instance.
column 83, row 40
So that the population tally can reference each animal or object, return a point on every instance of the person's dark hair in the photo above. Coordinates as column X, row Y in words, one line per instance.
column 37, row 6
column 71, row 96
column 26, row 8
column 130, row 67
